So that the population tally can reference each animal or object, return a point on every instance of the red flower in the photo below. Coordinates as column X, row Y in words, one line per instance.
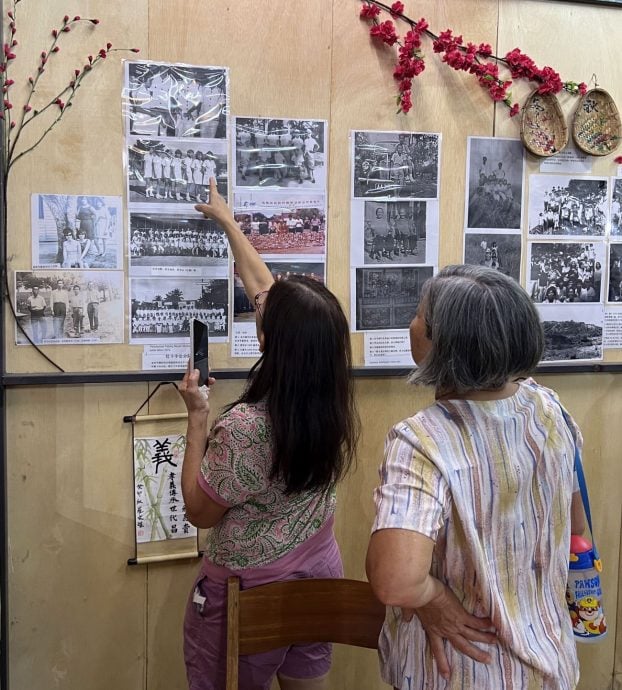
column 12, row 124
column 108, row 46
column 405, row 85
column 397, row 8
column 405, row 102
column 582, row 88
column 514, row 110
column 27, row 108
column 66, row 29
column 66, row 18
column 369, row 11
column 618, row 160
column 102, row 53
column 8, row 105
column 484, row 49
column 135, row 50
column 94, row 21
column 55, row 33
column 9, row 82
column 385, row 31
column 59, row 103
column 421, row 25
column 76, row 72
column 55, row 49
column 76, row 18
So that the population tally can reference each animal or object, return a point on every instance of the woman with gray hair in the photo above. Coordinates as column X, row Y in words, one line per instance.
column 473, row 523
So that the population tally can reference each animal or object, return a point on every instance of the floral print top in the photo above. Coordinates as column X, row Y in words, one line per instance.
column 262, row 523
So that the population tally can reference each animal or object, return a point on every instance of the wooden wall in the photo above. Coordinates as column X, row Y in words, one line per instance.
column 79, row 616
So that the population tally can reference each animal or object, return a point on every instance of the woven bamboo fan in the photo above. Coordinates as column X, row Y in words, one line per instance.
column 542, row 127
column 596, row 126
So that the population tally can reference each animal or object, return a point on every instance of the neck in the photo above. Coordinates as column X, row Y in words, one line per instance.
column 506, row 391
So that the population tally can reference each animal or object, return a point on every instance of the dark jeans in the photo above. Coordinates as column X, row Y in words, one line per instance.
column 60, row 312
column 77, row 320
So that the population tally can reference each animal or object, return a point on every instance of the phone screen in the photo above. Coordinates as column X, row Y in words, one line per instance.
column 200, row 345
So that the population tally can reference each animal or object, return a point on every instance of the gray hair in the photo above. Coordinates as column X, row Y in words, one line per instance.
column 483, row 327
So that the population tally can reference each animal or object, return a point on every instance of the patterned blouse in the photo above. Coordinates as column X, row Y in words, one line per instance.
column 262, row 523
column 491, row 483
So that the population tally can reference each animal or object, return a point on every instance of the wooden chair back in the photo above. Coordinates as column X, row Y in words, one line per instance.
column 302, row 611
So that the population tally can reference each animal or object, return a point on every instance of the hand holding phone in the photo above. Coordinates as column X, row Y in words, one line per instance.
column 199, row 336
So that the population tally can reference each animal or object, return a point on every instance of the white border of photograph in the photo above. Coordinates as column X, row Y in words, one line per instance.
column 410, row 305
column 199, row 265
column 212, row 99
column 616, row 208
column 319, row 169
column 509, row 153
column 387, row 192
column 587, row 314
column 541, row 185
column 218, row 332
column 498, row 236
column 357, row 234
column 61, row 329
column 599, row 257
column 62, row 211
column 252, row 201
column 178, row 190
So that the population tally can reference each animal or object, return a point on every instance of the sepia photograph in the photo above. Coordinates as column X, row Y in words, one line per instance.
column 72, row 231
column 387, row 298
column 69, row 307
column 495, row 183
column 501, row 251
column 572, row 333
column 162, row 243
column 244, row 309
column 565, row 272
column 168, row 100
column 161, row 309
column 395, row 165
column 283, row 224
column 175, row 171
column 562, row 205
column 280, row 153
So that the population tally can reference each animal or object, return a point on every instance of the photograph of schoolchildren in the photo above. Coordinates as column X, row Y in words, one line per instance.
column 565, row 272
column 175, row 170
column 244, row 309
column 283, row 229
column 616, row 207
column 572, row 332
column 501, row 251
column 495, row 183
column 614, row 291
column 164, row 100
column 395, row 165
column 394, row 232
column 179, row 243
column 71, row 231
column 387, row 298
column 560, row 205
column 161, row 309
column 280, row 153
column 69, row 307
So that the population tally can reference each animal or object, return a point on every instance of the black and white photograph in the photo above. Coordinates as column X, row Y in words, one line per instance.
column 69, row 307
column 614, row 291
column 494, row 183
column 161, row 309
column 572, row 206
column 244, row 309
column 175, row 170
column 501, row 251
column 394, row 232
column 572, row 333
column 395, row 165
column 387, row 298
column 565, row 272
column 162, row 243
column 616, row 206
column 293, row 224
column 173, row 100
column 280, row 153
column 76, row 231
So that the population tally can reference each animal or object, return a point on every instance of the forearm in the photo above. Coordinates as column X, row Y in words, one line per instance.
column 250, row 266
column 196, row 442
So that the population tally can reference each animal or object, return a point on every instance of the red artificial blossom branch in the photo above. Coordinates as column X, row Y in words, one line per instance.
column 474, row 59
column 17, row 117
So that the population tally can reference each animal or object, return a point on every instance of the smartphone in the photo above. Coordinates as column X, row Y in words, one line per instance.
column 199, row 333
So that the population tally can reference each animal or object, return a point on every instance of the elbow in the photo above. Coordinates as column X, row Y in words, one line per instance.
column 394, row 591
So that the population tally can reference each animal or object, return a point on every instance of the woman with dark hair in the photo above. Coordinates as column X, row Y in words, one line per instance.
column 473, row 516
column 264, row 477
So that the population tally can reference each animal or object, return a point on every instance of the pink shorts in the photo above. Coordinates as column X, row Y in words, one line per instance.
column 205, row 635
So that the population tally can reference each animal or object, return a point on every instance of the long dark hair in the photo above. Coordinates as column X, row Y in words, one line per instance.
column 304, row 376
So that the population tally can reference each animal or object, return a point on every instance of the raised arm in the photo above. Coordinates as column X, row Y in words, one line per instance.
column 253, row 271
